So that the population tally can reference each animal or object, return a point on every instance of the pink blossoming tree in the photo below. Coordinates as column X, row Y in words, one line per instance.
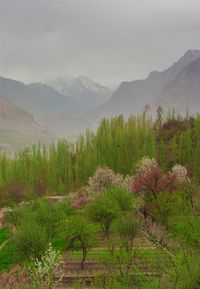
column 150, row 179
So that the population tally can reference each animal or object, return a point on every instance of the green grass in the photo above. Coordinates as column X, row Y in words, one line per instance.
column 6, row 251
column 147, row 256
column 58, row 243
column 3, row 235
column 6, row 257
column 102, row 255
column 154, row 258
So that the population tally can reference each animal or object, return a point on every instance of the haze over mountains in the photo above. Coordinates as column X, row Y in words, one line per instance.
column 183, row 91
column 85, row 91
column 41, row 99
column 18, row 127
column 131, row 97
column 67, row 106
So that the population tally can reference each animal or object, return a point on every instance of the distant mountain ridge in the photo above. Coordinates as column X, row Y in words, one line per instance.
column 183, row 92
column 41, row 99
column 131, row 97
column 38, row 99
column 68, row 107
column 18, row 127
column 177, row 86
column 60, row 113
column 85, row 91
column 13, row 117
column 48, row 100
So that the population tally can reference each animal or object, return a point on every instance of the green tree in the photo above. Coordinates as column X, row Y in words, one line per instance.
column 128, row 228
column 79, row 234
column 48, row 215
column 104, row 211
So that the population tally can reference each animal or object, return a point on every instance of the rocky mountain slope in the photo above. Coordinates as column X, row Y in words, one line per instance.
column 131, row 97
column 183, row 92
column 18, row 126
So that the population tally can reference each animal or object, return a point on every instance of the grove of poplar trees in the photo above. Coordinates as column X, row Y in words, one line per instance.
column 118, row 143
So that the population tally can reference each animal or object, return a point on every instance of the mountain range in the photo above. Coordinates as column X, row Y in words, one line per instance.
column 131, row 97
column 85, row 91
column 183, row 91
column 65, row 107
column 41, row 99
column 18, row 127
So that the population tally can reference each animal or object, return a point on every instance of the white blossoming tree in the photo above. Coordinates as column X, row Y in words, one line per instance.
column 43, row 271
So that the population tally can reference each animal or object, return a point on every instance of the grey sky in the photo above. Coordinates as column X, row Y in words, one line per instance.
column 107, row 40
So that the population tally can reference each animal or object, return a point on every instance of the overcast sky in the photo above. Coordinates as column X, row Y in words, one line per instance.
column 107, row 40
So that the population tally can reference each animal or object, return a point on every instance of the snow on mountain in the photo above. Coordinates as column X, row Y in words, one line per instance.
column 84, row 90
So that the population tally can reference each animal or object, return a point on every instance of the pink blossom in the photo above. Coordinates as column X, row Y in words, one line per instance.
column 151, row 179
column 168, row 180
column 16, row 268
column 5, row 277
column 26, row 278
column 16, row 278
column 147, row 181
column 80, row 201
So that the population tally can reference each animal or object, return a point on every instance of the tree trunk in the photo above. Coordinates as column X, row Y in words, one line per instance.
column 84, row 253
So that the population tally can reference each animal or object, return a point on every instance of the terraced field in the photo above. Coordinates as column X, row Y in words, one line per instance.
column 147, row 263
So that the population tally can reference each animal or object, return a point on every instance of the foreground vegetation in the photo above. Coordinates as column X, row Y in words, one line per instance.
column 103, row 229
column 130, row 216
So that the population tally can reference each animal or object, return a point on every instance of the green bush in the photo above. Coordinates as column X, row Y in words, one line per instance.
column 123, row 198
column 30, row 240
column 184, row 272
column 168, row 205
column 17, row 215
column 186, row 229
column 48, row 215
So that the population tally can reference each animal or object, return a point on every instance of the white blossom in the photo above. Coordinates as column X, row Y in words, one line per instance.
column 43, row 271
column 180, row 174
column 145, row 165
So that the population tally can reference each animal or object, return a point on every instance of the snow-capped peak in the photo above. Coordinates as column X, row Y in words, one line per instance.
column 82, row 88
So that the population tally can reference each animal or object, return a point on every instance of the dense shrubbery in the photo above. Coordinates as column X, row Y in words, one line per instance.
column 33, row 226
column 30, row 240
column 112, row 212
